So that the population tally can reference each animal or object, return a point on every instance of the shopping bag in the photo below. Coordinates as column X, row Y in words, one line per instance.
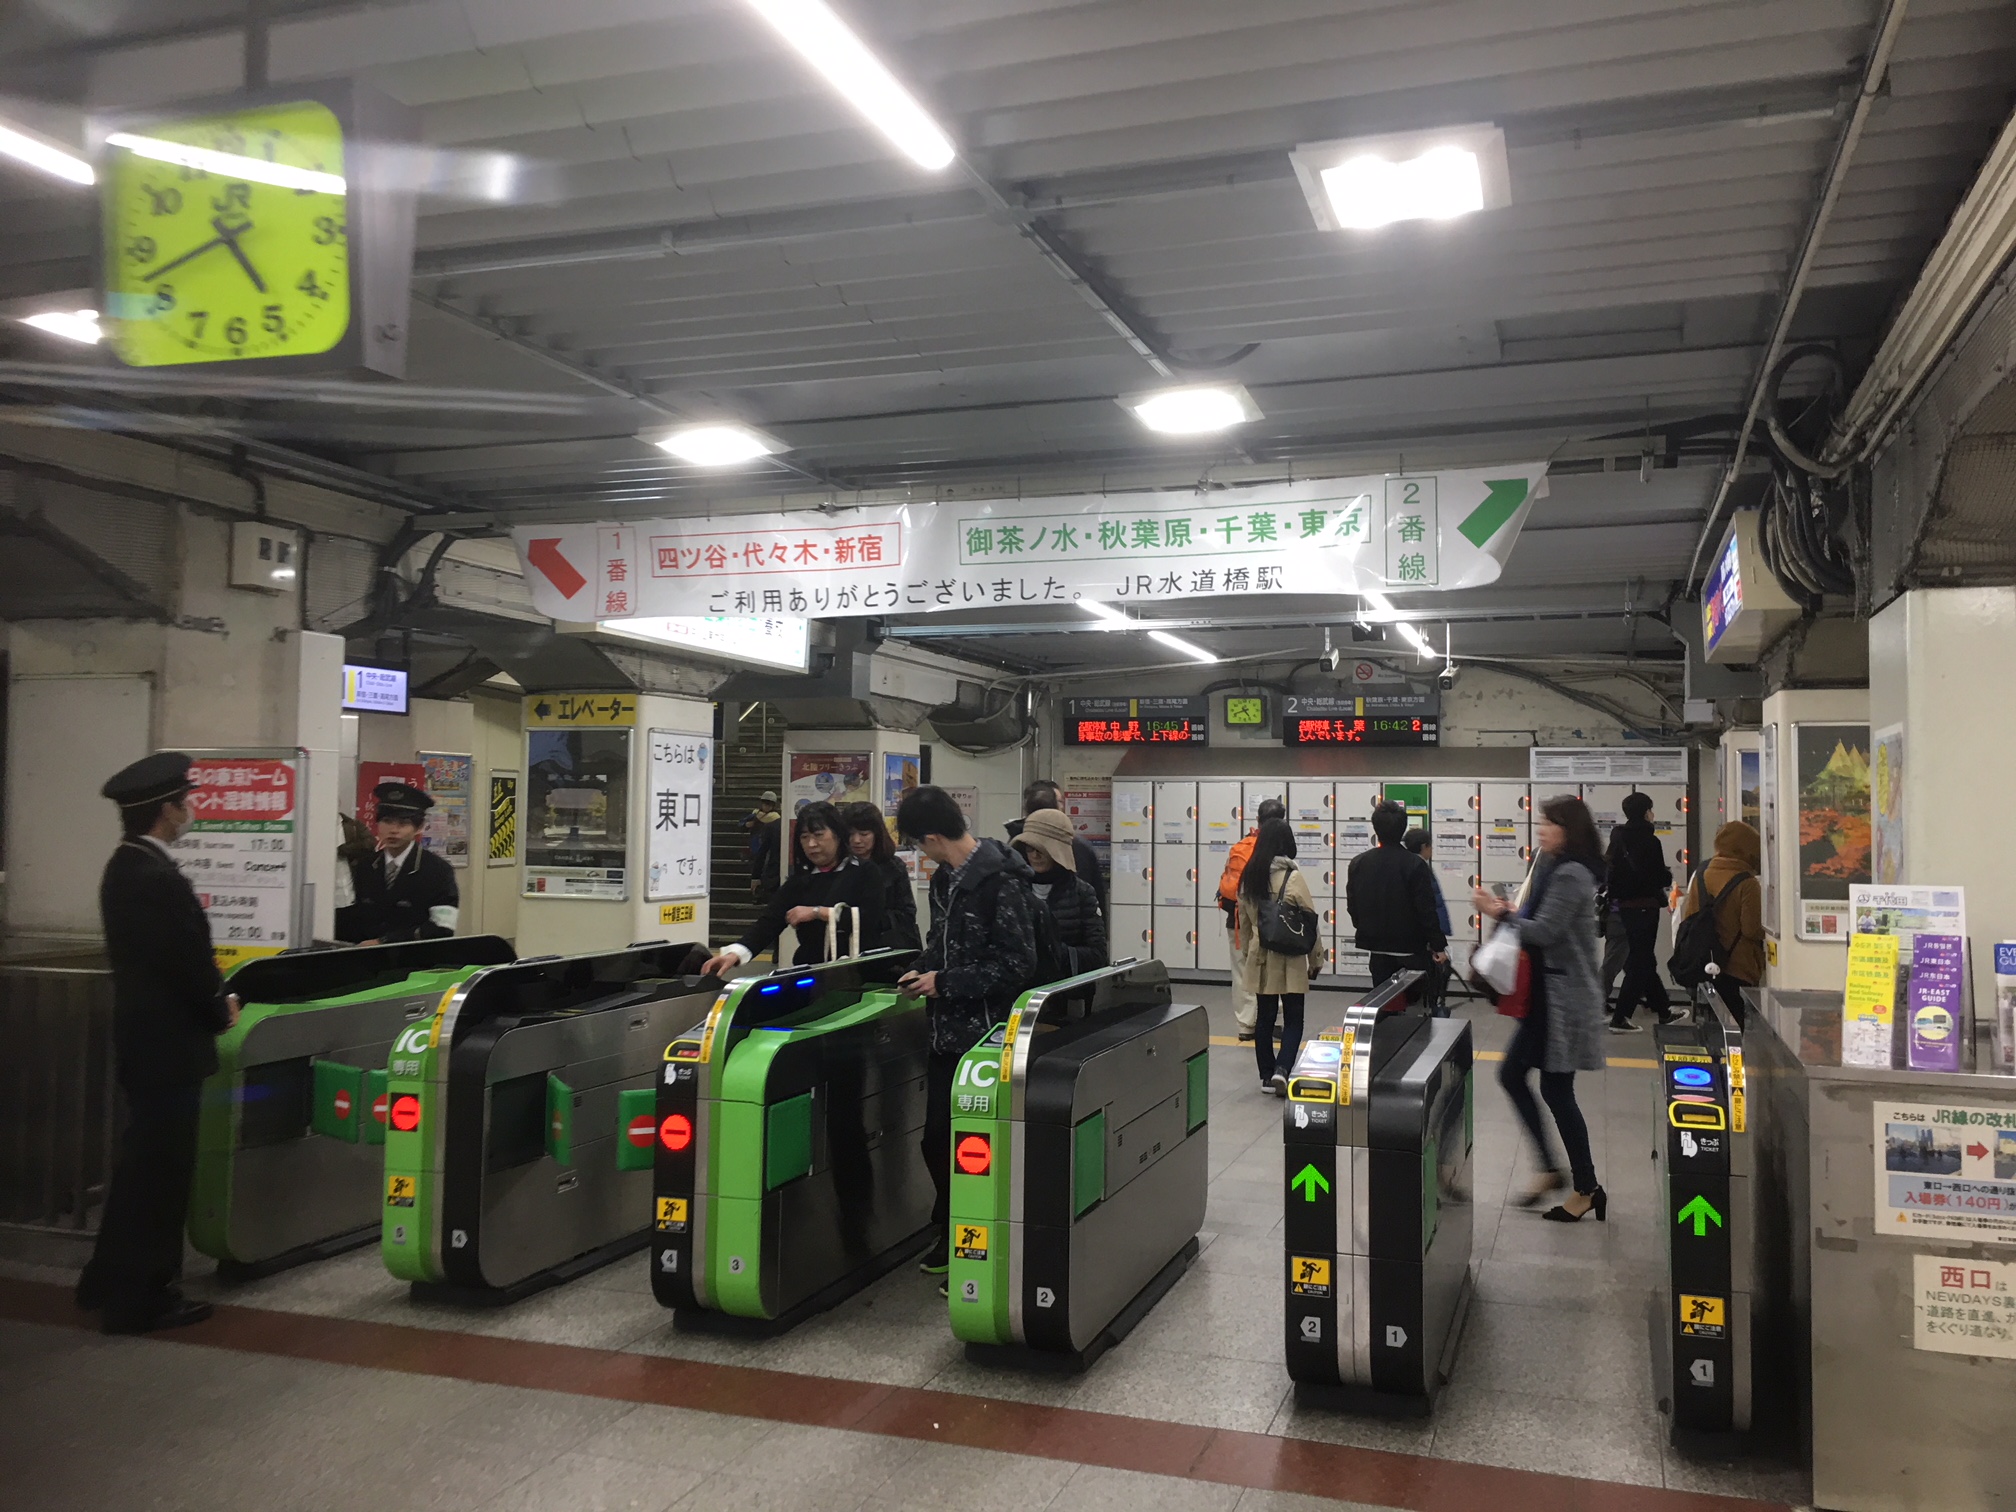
column 1495, row 963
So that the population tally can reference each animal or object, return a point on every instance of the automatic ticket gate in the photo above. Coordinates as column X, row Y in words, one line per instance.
column 290, row 1147
column 523, row 1121
column 1702, row 1309
column 1377, row 1135
column 1078, row 1166
column 790, row 1164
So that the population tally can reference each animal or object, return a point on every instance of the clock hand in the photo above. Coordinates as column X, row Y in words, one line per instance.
column 229, row 236
column 192, row 253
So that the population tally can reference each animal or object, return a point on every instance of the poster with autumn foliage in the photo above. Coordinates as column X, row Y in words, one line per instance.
column 1834, row 832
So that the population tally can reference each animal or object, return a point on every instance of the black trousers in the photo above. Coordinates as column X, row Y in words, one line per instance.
column 1528, row 1052
column 1641, row 963
column 138, row 1258
column 1289, row 1006
column 938, row 1076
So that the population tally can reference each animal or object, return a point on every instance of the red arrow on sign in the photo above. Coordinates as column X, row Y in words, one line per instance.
column 545, row 555
column 1978, row 1151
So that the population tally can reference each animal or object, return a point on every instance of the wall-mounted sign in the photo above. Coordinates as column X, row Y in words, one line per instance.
column 1363, row 729
column 374, row 690
column 682, row 814
column 1628, row 764
column 1136, row 721
column 241, row 852
column 450, row 781
column 577, row 795
column 503, row 818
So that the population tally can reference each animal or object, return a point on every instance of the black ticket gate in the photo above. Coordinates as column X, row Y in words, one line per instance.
column 1701, row 1311
column 1377, row 1139
column 1079, row 1167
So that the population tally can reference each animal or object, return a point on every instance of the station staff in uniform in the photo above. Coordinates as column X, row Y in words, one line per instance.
column 404, row 891
column 168, row 1007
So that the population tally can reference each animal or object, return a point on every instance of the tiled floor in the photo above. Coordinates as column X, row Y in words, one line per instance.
column 1551, row 1376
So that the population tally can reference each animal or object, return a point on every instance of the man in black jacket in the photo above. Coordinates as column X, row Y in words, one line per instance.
column 979, row 957
column 168, row 1007
column 1390, row 893
column 404, row 891
column 1636, row 879
column 1045, row 794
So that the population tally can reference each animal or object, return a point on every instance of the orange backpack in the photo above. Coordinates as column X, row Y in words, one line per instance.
column 1235, row 868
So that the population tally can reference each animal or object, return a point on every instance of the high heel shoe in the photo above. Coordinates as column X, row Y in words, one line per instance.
column 1547, row 1183
column 1599, row 1204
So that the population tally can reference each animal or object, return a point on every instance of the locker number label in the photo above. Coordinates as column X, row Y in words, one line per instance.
column 1308, row 1276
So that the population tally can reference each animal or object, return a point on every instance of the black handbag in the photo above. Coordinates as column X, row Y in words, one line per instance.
column 1286, row 928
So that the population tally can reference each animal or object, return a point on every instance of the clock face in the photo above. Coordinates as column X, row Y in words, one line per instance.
column 1245, row 711
column 227, row 237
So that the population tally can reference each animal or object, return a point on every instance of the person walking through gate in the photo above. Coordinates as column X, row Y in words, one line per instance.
column 868, row 842
column 979, row 957
column 1245, row 1011
column 1635, row 879
column 168, row 1007
column 1561, row 1032
column 829, row 879
column 1280, row 982
column 1045, row 843
column 1044, row 794
column 1739, row 921
column 1391, row 894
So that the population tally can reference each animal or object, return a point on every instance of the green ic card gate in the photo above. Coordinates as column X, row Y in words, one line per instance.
column 290, row 1144
column 1376, row 1140
column 519, row 1149
column 1079, row 1166
column 790, row 1166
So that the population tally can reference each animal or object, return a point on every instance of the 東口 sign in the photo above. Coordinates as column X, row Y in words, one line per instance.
column 1337, row 535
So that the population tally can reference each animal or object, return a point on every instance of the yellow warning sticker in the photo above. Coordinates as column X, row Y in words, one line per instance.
column 677, row 913
column 1309, row 1275
column 1703, row 1317
column 400, row 1190
column 672, row 1214
column 969, row 1241
column 1739, row 1118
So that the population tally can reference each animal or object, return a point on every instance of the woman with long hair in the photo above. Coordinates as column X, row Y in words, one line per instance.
column 1279, row 981
column 1562, row 1031
column 829, row 879
column 868, row 842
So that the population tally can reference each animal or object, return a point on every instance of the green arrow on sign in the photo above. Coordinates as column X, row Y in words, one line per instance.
column 1502, row 498
column 1306, row 1181
column 1702, row 1214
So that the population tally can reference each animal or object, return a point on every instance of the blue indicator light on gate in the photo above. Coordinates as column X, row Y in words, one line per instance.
column 773, row 987
column 1692, row 1076
column 804, row 981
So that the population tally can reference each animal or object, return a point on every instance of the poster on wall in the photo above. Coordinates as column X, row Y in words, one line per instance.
column 1832, row 767
column 1964, row 1306
column 682, row 814
column 828, row 777
column 503, row 819
column 576, row 812
column 1886, row 805
column 900, row 774
column 241, row 852
column 1767, row 830
column 371, row 773
column 1747, row 781
column 450, row 781
column 1946, row 1169
column 1088, row 804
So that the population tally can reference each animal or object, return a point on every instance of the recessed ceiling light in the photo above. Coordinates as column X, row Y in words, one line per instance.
column 1366, row 182
column 718, row 445
column 863, row 81
column 25, row 147
column 72, row 325
column 1198, row 410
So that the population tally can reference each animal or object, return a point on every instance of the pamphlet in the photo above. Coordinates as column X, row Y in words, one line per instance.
column 1937, row 1002
column 2005, row 1007
column 1869, row 1006
column 1907, row 912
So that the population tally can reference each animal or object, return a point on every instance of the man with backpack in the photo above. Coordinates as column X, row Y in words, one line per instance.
column 980, row 955
column 1722, row 919
column 1245, row 1002
column 1635, row 880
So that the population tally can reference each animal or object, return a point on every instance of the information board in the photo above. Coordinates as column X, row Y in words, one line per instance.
column 1136, row 721
column 1946, row 1169
column 242, row 853
column 682, row 814
column 1371, row 719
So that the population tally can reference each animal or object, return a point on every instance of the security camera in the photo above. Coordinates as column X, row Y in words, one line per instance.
column 1448, row 678
column 1330, row 659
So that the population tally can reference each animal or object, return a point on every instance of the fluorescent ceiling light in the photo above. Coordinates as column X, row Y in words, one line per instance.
column 1115, row 620
column 1383, row 607
column 1198, row 410
column 1176, row 643
column 824, row 41
column 718, row 445
column 47, row 156
column 1368, row 182
column 72, row 325
column 228, row 164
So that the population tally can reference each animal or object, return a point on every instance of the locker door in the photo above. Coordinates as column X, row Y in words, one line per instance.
column 1214, row 941
column 1506, row 832
column 1258, row 793
column 1133, row 810
column 1173, row 876
column 1176, row 937
column 1353, row 806
column 1132, row 863
column 1218, row 812
column 1311, row 802
column 1130, row 932
column 1175, row 813
column 1453, row 804
column 1315, row 826
column 1211, row 861
column 1453, row 826
column 1606, row 804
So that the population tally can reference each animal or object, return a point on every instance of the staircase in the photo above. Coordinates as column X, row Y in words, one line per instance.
column 752, row 762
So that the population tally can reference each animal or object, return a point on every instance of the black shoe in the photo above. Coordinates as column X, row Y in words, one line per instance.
column 1625, row 1026
column 1599, row 1204
column 945, row 1288
column 937, row 1260
column 1245, row 1036
column 1670, row 1016
column 177, row 1312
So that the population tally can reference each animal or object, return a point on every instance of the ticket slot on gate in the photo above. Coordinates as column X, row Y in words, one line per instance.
column 1377, row 1141
column 789, row 1161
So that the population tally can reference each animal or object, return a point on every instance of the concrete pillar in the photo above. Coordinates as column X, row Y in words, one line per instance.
column 1939, row 664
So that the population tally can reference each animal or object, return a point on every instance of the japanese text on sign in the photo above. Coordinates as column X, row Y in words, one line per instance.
column 682, row 816
column 1944, row 1169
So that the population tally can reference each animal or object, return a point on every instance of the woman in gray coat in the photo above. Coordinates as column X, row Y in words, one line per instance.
column 1562, row 1032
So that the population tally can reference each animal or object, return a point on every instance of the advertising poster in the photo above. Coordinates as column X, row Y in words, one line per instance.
column 1832, row 768
column 1886, row 805
column 371, row 773
column 450, row 780
column 1748, row 764
column 1907, row 912
column 503, row 818
column 1964, row 1306
column 241, row 853
column 899, row 776
column 1767, row 828
column 682, row 814
column 828, row 777
column 1088, row 802
column 1946, row 1170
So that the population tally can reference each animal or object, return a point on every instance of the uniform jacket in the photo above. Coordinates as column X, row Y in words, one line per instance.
column 167, row 993
column 1390, row 893
column 1268, row 971
column 1557, row 923
column 849, row 882
column 398, row 910
column 1086, row 857
column 1635, row 872
column 899, row 905
column 982, row 944
column 1081, row 927
column 1740, row 929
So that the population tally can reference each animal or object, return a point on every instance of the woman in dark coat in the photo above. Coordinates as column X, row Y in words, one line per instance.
column 1045, row 843
column 868, row 842
column 828, row 879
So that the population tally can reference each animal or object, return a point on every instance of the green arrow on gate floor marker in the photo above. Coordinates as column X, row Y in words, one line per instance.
column 1702, row 1214
column 1306, row 1181
column 1502, row 499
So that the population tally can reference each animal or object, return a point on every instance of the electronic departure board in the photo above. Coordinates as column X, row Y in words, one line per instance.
column 1136, row 721
column 1372, row 719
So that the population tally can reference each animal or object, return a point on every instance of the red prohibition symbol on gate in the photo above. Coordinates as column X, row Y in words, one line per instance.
column 342, row 1102
column 676, row 1131
column 642, row 1129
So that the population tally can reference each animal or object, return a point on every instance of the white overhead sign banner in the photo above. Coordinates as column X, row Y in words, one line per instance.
column 1401, row 534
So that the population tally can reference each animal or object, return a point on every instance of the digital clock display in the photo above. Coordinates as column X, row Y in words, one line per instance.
column 1364, row 729
column 1134, row 732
